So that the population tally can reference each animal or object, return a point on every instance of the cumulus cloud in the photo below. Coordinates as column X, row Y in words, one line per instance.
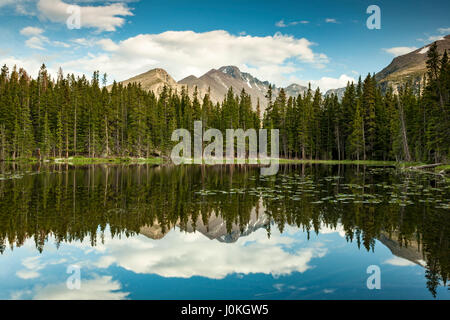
column 183, row 53
column 108, row 45
column 399, row 51
column 326, row 83
column 326, row 229
column 331, row 20
column 31, row 31
column 33, row 265
column 179, row 255
column 36, row 42
column 100, row 288
column 103, row 18
column 27, row 274
column 31, row 65
column 444, row 30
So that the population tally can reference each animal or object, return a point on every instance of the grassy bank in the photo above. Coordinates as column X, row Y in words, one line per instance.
column 125, row 160
column 81, row 160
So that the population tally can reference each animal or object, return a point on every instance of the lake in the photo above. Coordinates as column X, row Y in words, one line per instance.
column 222, row 232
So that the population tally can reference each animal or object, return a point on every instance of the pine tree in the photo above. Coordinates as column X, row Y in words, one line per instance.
column 356, row 137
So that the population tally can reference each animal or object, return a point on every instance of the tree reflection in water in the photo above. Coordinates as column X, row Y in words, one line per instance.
column 407, row 212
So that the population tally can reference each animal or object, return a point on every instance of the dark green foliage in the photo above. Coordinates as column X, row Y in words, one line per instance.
column 74, row 116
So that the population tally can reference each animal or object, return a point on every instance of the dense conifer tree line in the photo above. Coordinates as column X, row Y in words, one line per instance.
column 71, row 116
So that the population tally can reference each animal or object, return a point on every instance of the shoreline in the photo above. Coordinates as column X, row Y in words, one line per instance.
column 81, row 160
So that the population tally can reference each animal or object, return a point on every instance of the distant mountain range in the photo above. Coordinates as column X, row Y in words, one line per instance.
column 408, row 67
column 215, row 228
column 217, row 80
column 339, row 92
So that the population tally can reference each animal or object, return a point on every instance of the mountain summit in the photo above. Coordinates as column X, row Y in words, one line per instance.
column 220, row 80
column 153, row 80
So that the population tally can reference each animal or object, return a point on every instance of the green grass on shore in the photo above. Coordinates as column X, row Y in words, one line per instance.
column 125, row 160
column 81, row 160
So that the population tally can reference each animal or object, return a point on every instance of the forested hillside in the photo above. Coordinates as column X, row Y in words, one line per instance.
column 75, row 116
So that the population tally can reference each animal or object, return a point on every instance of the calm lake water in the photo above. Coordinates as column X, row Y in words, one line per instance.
column 222, row 232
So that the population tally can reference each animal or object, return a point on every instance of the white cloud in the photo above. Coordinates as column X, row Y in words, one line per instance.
column 33, row 265
column 183, row 53
column 325, row 229
column 27, row 274
column 108, row 45
column 435, row 38
column 281, row 23
column 84, row 42
column 61, row 44
column 31, row 64
column 178, row 255
column 326, row 83
column 31, row 31
column 399, row 262
column 399, row 51
column 300, row 22
column 103, row 18
column 444, row 30
column 100, row 288
column 330, row 20
column 328, row 291
column 36, row 42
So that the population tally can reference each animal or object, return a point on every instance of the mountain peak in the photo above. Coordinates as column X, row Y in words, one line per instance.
column 232, row 71
column 154, row 79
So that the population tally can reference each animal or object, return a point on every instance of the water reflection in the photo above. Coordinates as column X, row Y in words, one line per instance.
column 216, row 221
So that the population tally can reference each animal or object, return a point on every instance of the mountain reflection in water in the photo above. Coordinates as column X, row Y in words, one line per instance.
column 190, row 206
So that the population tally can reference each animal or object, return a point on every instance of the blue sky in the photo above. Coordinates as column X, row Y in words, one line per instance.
column 325, row 42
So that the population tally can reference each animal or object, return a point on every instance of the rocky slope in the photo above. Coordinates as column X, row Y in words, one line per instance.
column 339, row 92
column 409, row 67
column 153, row 80
column 225, row 77
column 413, row 252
